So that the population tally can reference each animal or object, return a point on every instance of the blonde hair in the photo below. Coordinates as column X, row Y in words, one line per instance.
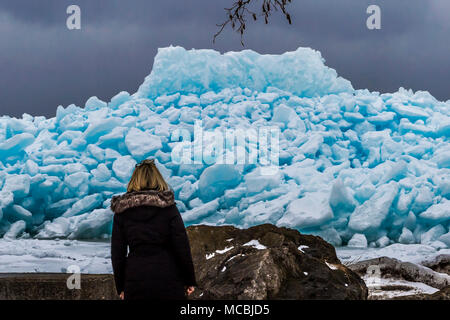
column 146, row 176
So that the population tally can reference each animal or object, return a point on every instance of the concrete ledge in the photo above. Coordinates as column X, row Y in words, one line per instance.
column 53, row 286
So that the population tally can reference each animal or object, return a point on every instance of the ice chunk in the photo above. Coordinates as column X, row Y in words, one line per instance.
column 432, row 235
column 119, row 99
column 92, row 225
column 332, row 236
column 141, row 144
column 123, row 168
column 257, row 182
column 406, row 237
column 341, row 198
column 201, row 211
column 85, row 204
column 101, row 173
column 289, row 117
column 383, row 242
column 18, row 185
column 313, row 144
column 312, row 210
column 176, row 69
column 410, row 111
column 215, row 179
column 358, row 241
column 438, row 212
column 17, row 212
column 94, row 103
column 445, row 238
column 369, row 216
column 58, row 228
column 15, row 144
column 15, row 230
column 76, row 180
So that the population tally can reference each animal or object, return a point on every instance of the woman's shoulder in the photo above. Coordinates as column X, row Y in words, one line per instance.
column 161, row 199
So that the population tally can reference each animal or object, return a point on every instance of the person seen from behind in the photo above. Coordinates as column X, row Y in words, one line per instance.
column 150, row 252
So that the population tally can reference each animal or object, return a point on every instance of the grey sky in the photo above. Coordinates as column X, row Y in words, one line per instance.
column 43, row 64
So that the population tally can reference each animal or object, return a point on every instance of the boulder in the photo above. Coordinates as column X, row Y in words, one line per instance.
column 396, row 269
column 268, row 262
column 390, row 278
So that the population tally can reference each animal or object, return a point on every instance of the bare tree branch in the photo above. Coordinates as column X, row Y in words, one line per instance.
column 237, row 14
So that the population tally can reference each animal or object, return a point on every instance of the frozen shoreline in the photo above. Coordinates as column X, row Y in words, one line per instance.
column 33, row 255
column 93, row 257
column 415, row 253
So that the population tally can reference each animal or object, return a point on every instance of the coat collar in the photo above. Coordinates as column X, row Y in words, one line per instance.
column 154, row 198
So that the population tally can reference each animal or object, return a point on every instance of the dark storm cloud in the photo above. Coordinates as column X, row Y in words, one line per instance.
column 42, row 64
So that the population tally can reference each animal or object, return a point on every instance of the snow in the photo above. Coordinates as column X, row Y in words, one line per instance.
column 352, row 163
column 224, row 250
column 415, row 253
column 405, row 288
column 331, row 266
column 213, row 254
column 33, row 255
column 210, row 255
column 255, row 244
column 301, row 247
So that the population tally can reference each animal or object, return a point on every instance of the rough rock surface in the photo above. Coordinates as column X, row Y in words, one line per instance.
column 443, row 294
column 394, row 268
column 439, row 264
column 267, row 262
column 53, row 286
column 409, row 274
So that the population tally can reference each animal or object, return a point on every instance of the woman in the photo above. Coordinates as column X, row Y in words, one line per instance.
column 147, row 222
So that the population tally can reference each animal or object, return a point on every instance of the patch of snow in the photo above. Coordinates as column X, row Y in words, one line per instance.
column 209, row 256
column 301, row 247
column 331, row 266
column 255, row 244
column 224, row 250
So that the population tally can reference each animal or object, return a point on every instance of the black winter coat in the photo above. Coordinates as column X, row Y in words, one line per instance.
column 158, row 264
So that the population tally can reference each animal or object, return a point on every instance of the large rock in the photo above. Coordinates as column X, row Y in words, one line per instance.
column 267, row 262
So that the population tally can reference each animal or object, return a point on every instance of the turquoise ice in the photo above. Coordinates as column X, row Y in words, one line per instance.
column 354, row 165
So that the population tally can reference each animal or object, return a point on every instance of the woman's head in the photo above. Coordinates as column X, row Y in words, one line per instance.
column 146, row 176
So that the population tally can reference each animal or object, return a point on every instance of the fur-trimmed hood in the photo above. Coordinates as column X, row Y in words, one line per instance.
column 154, row 198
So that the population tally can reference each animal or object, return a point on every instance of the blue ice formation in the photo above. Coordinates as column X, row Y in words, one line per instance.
column 356, row 167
